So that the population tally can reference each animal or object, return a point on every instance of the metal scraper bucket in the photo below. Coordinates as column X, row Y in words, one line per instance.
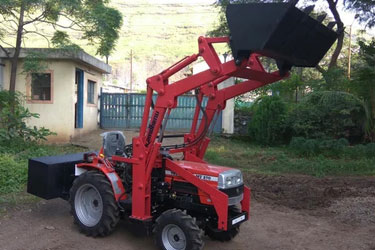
column 280, row 31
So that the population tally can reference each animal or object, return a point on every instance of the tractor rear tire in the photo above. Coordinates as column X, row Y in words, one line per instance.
column 174, row 229
column 93, row 204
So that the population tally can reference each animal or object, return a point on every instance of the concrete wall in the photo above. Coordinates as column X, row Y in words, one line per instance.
column 58, row 115
column 228, row 112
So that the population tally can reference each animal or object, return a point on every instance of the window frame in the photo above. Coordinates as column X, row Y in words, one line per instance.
column 29, row 83
column 94, row 104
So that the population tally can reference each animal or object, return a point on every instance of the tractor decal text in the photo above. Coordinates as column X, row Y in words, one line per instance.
column 151, row 127
column 206, row 177
column 200, row 176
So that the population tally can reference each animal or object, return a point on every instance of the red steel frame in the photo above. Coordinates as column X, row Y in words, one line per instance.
column 146, row 149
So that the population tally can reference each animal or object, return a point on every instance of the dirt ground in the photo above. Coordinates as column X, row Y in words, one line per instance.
column 287, row 212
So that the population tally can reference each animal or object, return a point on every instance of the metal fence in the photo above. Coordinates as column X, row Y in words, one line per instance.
column 118, row 110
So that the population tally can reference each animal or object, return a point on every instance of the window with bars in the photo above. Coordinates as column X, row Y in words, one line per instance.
column 41, row 86
column 91, row 92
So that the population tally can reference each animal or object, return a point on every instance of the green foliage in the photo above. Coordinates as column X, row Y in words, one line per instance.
column 287, row 89
column 61, row 40
column 335, row 79
column 13, row 174
column 34, row 62
column 363, row 84
column 267, row 123
column 331, row 148
column 98, row 23
column 314, row 147
column 365, row 10
column 106, row 25
column 13, row 117
column 253, row 158
column 327, row 114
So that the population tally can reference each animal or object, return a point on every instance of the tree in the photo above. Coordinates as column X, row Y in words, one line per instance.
column 97, row 23
column 365, row 10
column 363, row 83
column 327, row 114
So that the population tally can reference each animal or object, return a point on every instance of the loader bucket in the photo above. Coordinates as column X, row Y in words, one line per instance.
column 280, row 31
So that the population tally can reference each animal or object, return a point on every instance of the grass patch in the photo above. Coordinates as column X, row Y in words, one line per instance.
column 281, row 160
column 13, row 167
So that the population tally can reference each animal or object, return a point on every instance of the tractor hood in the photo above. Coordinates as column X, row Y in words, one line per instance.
column 204, row 169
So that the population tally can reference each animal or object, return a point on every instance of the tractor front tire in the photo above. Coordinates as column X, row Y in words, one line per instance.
column 93, row 204
column 174, row 229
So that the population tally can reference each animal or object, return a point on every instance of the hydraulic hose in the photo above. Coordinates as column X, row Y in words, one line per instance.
column 200, row 137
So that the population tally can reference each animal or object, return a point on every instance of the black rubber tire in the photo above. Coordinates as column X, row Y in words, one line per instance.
column 185, row 222
column 111, row 214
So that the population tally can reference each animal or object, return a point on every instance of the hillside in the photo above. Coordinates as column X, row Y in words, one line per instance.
column 158, row 33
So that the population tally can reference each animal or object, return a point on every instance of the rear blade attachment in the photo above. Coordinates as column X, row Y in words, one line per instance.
column 280, row 31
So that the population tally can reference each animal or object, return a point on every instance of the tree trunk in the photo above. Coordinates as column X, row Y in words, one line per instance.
column 14, row 60
column 340, row 28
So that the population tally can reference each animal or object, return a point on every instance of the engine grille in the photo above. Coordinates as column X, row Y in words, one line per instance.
column 233, row 192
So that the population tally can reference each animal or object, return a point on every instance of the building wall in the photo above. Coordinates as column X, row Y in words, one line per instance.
column 59, row 115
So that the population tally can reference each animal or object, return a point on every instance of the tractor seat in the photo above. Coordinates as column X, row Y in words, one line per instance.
column 113, row 143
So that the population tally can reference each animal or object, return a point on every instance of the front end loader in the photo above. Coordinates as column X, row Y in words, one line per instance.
column 170, row 190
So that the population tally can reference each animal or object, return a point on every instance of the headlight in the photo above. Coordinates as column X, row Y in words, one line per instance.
column 230, row 178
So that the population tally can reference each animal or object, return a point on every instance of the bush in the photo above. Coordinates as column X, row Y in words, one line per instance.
column 313, row 147
column 13, row 174
column 330, row 147
column 13, row 117
column 267, row 123
column 328, row 115
column 370, row 150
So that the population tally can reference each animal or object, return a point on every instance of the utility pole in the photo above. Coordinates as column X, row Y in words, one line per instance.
column 350, row 46
column 350, row 50
column 131, row 70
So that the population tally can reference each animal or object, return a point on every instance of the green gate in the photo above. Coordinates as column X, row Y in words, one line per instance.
column 125, row 111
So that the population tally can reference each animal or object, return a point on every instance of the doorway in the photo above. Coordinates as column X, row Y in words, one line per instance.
column 78, row 106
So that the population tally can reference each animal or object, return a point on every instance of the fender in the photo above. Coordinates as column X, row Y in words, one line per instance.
column 106, row 168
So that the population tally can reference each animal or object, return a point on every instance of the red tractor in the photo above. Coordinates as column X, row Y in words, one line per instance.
column 179, row 198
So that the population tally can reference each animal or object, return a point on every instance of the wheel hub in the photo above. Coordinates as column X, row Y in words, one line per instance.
column 173, row 237
column 88, row 205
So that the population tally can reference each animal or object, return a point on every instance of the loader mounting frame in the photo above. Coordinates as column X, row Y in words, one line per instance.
column 147, row 147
